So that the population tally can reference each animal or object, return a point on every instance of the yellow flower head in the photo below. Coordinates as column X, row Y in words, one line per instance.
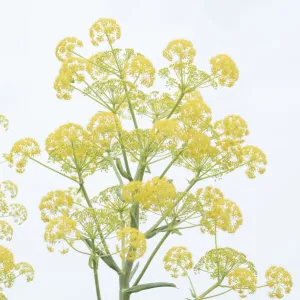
column 17, row 212
column 9, row 270
column 8, row 189
column 134, row 243
column 6, row 231
column 233, row 127
column 7, row 261
column 104, row 128
column 224, row 69
column 242, row 280
column 104, row 30
column 158, row 194
column 21, row 151
column 61, row 230
column 4, row 122
column 155, row 105
column 55, row 204
column 207, row 195
column 217, row 212
column 195, row 114
column 197, row 151
column 166, row 133
column 66, row 47
column 222, row 261
column 279, row 280
column 131, row 192
column 71, row 145
column 141, row 69
column 177, row 261
column 72, row 71
column 255, row 160
column 180, row 51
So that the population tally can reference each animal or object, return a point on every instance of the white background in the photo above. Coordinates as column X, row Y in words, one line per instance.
column 263, row 38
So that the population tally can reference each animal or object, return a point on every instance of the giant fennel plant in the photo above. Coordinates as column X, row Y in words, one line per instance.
column 9, row 269
column 177, row 129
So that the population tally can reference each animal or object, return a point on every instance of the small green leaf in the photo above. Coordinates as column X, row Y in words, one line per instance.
column 147, row 286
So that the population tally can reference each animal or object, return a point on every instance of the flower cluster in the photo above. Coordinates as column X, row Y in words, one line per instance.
column 72, row 146
column 224, row 70
column 177, row 261
column 242, row 280
column 9, row 270
column 104, row 30
column 156, row 194
column 217, row 212
column 15, row 211
column 132, row 243
column 61, row 230
column 56, row 203
column 72, row 71
column 105, row 127
column 21, row 152
column 3, row 122
column 222, row 261
column 279, row 280
column 65, row 48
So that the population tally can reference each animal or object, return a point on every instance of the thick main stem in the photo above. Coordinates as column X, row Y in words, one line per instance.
column 96, row 282
column 124, row 284
column 95, row 270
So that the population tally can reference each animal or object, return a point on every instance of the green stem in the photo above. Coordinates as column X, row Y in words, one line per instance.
column 126, row 95
column 191, row 283
column 216, row 295
column 95, row 270
column 60, row 173
column 192, row 183
column 176, row 105
column 116, row 171
column 151, row 257
column 171, row 163
column 213, row 287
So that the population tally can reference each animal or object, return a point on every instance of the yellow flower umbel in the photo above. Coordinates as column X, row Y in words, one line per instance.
column 9, row 270
column 104, row 128
column 104, row 30
column 224, row 70
column 63, row 231
column 3, row 122
column 72, row 147
column 182, row 73
column 21, row 152
column 16, row 212
column 242, row 280
column 194, row 113
column 279, row 280
column 217, row 212
column 66, row 47
column 222, row 261
column 158, row 194
column 180, row 51
column 131, row 192
column 256, row 161
column 177, row 261
column 55, row 204
column 72, row 71
column 133, row 245
column 141, row 70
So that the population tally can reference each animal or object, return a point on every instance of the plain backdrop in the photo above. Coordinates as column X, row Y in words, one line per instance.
column 262, row 36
